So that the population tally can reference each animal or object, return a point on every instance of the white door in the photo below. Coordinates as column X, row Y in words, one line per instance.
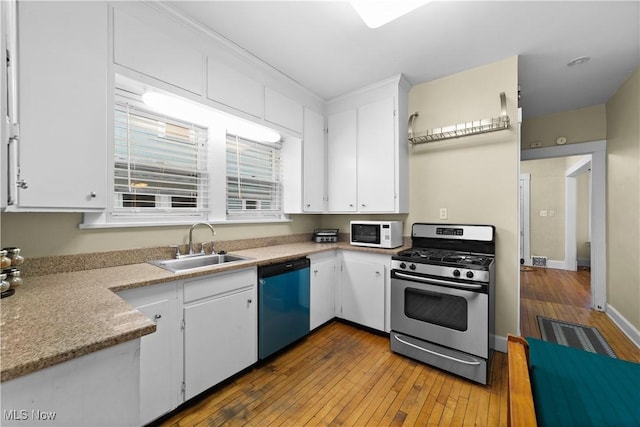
column 63, row 104
column 156, row 392
column 363, row 293
column 322, row 292
column 220, row 339
column 341, row 162
column 525, row 190
column 376, row 142
column 314, row 162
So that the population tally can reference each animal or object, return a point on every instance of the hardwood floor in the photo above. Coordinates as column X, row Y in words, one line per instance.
column 565, row 295
column 342, row 375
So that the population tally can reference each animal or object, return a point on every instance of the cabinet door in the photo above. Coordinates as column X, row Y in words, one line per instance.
column 161, row 351
column 362, row 287
column 322, row 292
column 282, row 111
column 230, row 87
column 220, row 339
column 145, row 49
column 157, row 396
column 341, row 162
column 376, row 171
column 62, row 94
column 314, row 162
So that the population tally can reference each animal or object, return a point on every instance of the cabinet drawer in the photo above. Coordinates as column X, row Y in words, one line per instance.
column 218, row 284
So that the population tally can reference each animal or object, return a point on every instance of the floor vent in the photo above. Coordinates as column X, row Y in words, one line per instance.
column 539, row 261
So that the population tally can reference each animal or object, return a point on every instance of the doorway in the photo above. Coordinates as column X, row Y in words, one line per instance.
column 597, row 212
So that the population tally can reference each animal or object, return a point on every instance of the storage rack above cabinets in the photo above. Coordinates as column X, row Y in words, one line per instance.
column 463, row 129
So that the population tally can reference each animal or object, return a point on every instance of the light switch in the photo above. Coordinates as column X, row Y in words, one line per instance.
column 543, row 213
column 443, row 213
column 552, row 212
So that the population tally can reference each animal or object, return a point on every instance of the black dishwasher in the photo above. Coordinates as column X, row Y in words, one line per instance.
column 283, row 305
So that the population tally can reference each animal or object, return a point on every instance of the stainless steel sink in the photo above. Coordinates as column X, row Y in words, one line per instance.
column 196, row 262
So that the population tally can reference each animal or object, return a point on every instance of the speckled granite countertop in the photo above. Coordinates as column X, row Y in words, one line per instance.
column 58, row 317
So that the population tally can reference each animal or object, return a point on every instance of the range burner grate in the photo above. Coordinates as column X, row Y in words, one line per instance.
column 445, row 257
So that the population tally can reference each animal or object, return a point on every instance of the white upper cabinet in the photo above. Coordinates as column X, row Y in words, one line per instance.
column 376, row 169
column 367, row 161
column 148, row 50
column 234, row 89
column 341, row 162
column 314, row 156
column 62, row 92
column 282, row 111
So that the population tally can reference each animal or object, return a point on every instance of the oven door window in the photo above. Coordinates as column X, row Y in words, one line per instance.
column 449, row 311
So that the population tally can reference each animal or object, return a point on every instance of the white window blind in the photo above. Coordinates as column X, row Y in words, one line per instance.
column 254, row 183
column 160, row 163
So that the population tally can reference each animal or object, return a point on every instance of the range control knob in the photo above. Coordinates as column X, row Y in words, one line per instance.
column 470, row 274
column 403, row 265
column 456, row 273
column 412, row 266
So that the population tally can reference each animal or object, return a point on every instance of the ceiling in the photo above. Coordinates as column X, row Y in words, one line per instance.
column 324, row 46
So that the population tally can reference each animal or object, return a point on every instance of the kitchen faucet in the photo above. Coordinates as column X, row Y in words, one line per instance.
column 213, row 232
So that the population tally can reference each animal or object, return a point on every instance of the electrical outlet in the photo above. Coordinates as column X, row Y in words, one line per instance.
column 543, row 213
column 552, row 212
column 443, row 213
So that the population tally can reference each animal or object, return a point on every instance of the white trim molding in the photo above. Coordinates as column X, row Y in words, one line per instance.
column 625, row 326
column 597, row 149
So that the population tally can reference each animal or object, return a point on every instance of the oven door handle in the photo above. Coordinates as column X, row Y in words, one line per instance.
column 437, row 281
column 455, row 359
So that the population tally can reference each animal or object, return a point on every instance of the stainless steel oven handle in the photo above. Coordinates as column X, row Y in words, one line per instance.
column 437, row 281
column 435, row 352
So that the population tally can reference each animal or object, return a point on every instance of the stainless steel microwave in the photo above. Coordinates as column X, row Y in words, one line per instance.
column 377, row 234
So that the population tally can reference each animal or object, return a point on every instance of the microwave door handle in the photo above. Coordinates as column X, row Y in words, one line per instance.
column 455, row 359
column 437, row 281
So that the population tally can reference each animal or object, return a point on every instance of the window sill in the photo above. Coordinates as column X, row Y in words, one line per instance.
column 97, row 225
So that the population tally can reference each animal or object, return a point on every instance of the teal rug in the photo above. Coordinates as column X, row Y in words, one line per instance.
column 574, row 335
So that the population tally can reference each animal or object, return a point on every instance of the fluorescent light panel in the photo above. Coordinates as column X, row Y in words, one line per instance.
column 376, row 13
column 189, row 111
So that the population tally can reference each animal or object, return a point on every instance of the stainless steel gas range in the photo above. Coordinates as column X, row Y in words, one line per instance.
column 442, row 298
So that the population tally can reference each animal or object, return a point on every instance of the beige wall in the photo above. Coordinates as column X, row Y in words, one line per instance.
column 48, row 234
column 582, row 125
column 547, row 194
column 623, row 200
column 475, row 177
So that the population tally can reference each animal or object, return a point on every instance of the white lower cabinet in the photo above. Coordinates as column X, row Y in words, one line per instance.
column 363, row 293
column 161, row 351
column 323, row 288
column 97, row 389
column 206, row 331
column 220, row 328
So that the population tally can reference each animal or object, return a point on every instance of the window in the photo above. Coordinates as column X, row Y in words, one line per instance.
column 160, row 164
column 254, row 184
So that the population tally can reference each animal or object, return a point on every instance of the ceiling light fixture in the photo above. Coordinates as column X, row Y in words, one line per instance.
column 579, row 60
column 188, row 111
column 376, row 13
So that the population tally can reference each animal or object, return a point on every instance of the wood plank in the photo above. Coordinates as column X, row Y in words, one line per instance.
column 521, row 409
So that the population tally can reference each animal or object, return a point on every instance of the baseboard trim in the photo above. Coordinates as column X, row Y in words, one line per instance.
column 499, row 343
column 558, row 265
column 625, row 326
